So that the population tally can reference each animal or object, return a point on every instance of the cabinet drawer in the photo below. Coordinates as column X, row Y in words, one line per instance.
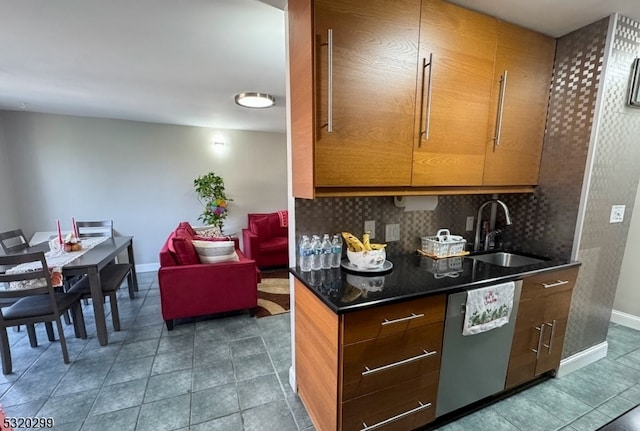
column 405, row 406
column 384, row 361
column 389, row 319
column 549, row 283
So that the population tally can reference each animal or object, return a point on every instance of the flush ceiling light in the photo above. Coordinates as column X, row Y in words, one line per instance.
column 255, row 100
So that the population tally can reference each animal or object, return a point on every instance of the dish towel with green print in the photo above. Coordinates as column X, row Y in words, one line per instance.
column 488, row 308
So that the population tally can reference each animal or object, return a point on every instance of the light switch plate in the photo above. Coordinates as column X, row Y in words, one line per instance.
column 370, row 226
column 617, row 214
column 392, row 232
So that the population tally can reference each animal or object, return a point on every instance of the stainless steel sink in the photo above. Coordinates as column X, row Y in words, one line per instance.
column 502, row 258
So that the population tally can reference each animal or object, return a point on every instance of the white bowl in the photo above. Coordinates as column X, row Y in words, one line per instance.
column 370, row 259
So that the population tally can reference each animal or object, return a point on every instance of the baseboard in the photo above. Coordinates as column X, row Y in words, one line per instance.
column 292, row 379
column 582, row 359
column 148, row 267
column 625, row 319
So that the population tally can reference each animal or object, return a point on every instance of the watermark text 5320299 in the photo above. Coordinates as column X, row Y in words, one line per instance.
column 28, row 422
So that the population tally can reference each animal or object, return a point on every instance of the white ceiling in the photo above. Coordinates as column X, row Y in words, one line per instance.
column 181, row 62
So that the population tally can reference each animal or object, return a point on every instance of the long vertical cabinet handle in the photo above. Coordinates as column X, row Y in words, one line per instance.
column 330, row 79
column 427, row 115
column 537, row 351
column 553, row 331
column 503, row 90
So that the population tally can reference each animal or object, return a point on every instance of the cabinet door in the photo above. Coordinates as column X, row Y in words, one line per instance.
column 555, row 321
column 520, row 95
column 458, row 47
column 526, row 340
column 372, row 88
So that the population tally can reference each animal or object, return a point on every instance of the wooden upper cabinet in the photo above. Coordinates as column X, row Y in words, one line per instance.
column 525, row 58
column 457, row 48
column 401, row 97
column 365, row 80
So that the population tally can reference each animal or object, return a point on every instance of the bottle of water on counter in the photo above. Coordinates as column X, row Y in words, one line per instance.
column 316, row 256
column 336, row 251
column 326, row 252
column 305, row 253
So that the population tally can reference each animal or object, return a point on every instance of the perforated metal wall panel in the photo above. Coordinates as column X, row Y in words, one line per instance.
column 614, row 181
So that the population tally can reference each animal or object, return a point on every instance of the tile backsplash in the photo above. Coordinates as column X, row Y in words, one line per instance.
column 334, row 215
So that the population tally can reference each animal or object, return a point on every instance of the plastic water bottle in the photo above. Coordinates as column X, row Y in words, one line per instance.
column 326, row 252
column 336, row 251
column 305, row 253
column 316, row 256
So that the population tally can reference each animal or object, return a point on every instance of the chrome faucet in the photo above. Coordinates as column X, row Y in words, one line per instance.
column 476, row 244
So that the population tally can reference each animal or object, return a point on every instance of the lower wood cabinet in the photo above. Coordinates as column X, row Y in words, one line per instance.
column 372, row 369
column 541, row 325
column 404, row 406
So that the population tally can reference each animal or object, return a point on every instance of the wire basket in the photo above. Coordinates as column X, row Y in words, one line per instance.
column 443, row 244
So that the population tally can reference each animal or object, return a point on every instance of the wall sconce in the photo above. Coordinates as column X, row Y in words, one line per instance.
column 255, row 100
column 218, row 143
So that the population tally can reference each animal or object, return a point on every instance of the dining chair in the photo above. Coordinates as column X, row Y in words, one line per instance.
column 36, row 302
column 13, row 241
column 111, row 276
column 102, row 228
column 88, row 229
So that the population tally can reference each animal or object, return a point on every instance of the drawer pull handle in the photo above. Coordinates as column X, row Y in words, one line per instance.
column 423, row 355
column 402, row 319
column 557, row 283
column 553, row 331
column 537, row 351
column 395, row 418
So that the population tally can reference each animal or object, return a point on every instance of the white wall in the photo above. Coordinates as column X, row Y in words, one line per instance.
column 8, row 210
column 140, row 175
column 627, row 298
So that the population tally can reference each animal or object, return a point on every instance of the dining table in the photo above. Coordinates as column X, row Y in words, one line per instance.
column 90, row 263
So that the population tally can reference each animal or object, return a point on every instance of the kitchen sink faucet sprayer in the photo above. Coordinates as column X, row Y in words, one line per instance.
column 476, row 243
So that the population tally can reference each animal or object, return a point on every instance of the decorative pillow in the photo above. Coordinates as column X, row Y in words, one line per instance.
column 261, row 227
column 187, row 226
column 213, row 238
column 185, row 253
column 211, row 232
column 215, row 251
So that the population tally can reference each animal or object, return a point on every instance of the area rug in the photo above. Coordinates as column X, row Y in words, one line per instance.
column 273, row 294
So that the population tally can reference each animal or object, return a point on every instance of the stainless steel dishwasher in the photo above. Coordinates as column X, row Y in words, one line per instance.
column 473, row 366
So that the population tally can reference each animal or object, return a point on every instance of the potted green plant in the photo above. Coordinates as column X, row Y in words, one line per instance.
column 212, row 196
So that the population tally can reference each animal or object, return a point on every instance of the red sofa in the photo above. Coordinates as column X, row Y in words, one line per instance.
column 189, row 288
column 266, row 240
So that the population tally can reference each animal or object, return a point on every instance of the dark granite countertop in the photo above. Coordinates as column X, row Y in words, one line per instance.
column 412, row 276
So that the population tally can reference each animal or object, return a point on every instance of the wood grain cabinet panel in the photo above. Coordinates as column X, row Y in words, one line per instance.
column 374, row 364
column 401, row 366
column 372, row 83
column 522, row 81
column 401, row 97
column 410, row 404
column 392, row 318
column 458, row 47
column 540, row 325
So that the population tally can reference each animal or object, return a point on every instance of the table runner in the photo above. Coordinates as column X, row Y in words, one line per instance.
column 55, row 261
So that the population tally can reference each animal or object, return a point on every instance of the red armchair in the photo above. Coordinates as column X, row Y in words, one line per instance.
column 189, row 288
column 266, row 240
